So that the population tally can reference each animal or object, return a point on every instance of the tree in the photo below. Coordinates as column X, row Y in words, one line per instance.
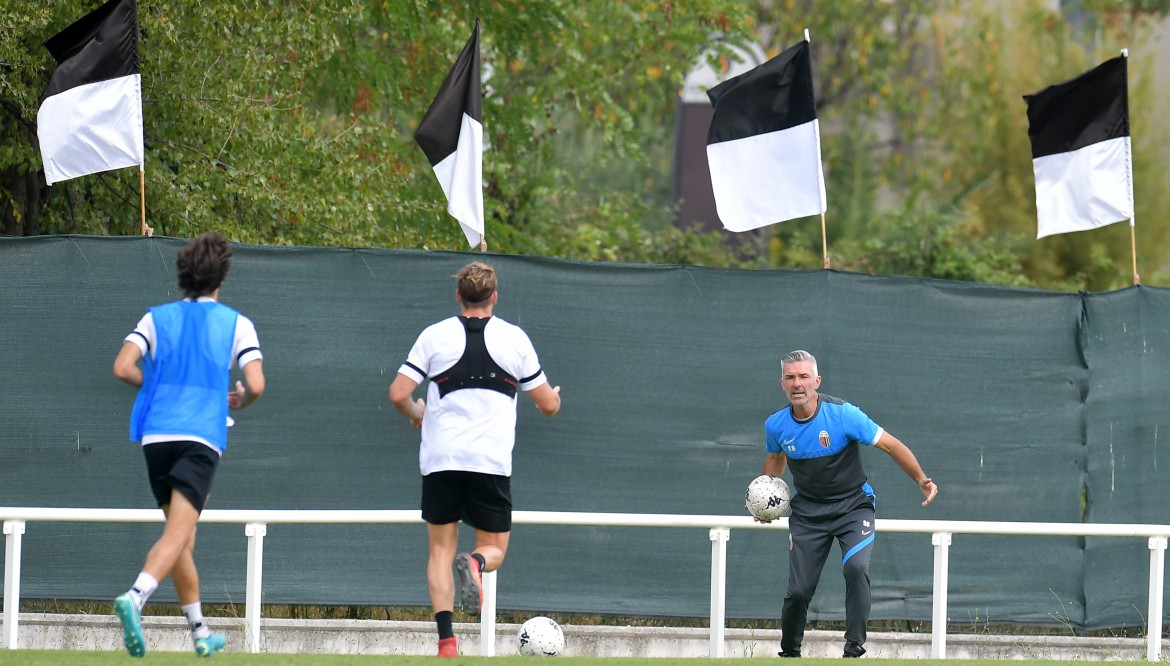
column 293, row 125
column 923, row 123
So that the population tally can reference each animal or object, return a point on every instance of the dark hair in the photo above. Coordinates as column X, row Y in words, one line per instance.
column 203, row 264
column 477, row 283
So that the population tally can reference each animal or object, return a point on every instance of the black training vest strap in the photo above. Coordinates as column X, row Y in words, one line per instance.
column 476, row 368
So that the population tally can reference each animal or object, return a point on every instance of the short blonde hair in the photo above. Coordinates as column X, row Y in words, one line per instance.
column 476, row 282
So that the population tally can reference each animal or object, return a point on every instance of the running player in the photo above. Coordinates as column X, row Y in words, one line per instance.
column 476, row 364
column 186, row 349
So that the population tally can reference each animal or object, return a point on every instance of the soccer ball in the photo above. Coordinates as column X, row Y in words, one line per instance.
column 541, row 636
column 767, row 497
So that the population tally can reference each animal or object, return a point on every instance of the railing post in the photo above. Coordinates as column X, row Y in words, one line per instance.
column 487, row 616
column 13, row 529
column 1157, row 578
column 252, row 592
column 938, row 641
column 719, row 537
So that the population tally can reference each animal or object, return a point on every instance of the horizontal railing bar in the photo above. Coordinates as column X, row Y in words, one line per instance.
column 14, row 518
column 1023, row 528
column 573, row 518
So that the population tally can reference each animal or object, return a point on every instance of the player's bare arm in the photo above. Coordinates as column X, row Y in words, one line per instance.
column 775, row 463
column 126, row 364
column 402, row 397
column 247, row 391
column 909, row 464
column 547, row 398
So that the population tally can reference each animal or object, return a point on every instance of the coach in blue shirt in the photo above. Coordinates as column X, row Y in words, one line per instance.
column 819, row 437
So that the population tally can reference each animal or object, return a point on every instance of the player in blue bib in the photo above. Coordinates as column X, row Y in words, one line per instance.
column 819, row 438
column 180, row 357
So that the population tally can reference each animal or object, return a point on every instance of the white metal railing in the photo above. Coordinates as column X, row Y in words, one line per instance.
column 719, row 530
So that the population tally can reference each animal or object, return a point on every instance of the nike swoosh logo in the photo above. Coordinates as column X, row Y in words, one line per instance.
column 787, row 442
column 865, row 533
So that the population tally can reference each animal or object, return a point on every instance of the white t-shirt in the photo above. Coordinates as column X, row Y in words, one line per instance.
column 245, row 349
column 471, row 429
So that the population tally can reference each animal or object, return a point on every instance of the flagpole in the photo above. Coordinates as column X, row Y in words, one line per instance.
column 824, row 243
column 482, row 243
column 824, row 235
column 1132, row 218
column 146, row 231
column 1133, row 252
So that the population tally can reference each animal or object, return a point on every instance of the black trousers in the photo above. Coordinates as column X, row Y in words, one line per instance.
column 810, row 538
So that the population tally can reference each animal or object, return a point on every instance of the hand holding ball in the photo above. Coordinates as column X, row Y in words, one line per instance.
column 767, row 498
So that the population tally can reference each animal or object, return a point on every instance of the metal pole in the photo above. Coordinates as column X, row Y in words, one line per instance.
column 13, row 529
column 719, row 537
column 252, row 594
column 1157, row 578
column 938, row 641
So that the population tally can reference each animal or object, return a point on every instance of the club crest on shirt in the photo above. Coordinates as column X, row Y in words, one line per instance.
column 824, row 437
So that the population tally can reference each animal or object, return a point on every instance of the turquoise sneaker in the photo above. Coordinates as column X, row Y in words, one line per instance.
column 127, row 611
column 206, row 647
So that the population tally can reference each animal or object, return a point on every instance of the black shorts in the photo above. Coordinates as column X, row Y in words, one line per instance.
column 188, row 467
column 483, row 501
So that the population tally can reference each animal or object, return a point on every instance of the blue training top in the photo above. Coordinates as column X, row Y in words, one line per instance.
column 823, row 451
column 185, row 383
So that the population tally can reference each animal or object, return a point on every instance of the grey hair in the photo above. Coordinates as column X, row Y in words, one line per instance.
column 797, row 356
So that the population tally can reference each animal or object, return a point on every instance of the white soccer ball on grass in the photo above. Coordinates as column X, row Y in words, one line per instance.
column 541, row 636
column 767, row 497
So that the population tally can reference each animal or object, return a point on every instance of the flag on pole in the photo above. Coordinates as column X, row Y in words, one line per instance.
column 451, row 136
column 91, row 117
column 764, row 144
column 1081, row 151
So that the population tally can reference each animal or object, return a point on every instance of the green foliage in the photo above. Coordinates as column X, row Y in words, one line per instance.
column 921, row 109
column 931, row 243
column 1055, row 48
column 292, row 124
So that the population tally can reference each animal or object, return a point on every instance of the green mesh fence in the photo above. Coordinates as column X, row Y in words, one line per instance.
column 1022, row 404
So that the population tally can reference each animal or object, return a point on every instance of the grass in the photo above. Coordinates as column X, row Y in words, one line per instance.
column 74, row 658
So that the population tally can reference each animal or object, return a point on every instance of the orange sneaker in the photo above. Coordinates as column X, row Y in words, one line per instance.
column 470, row 583
column 448, row 647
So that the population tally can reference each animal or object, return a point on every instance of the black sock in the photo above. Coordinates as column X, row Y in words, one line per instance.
column 443, row 620
column 479, row 558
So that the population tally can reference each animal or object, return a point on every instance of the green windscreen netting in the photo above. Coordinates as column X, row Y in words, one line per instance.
column 1024, row 405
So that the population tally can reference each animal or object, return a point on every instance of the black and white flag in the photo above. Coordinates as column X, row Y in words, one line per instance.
column 764, row 144
column 1081, row 151
column 451, row 136
column 91, row 117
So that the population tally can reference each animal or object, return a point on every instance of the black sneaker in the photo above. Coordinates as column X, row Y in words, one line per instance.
column 853, row 650
column 782, row 653
column 470, row 583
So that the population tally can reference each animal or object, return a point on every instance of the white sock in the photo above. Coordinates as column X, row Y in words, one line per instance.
column 143, row 587
column 194, row 613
